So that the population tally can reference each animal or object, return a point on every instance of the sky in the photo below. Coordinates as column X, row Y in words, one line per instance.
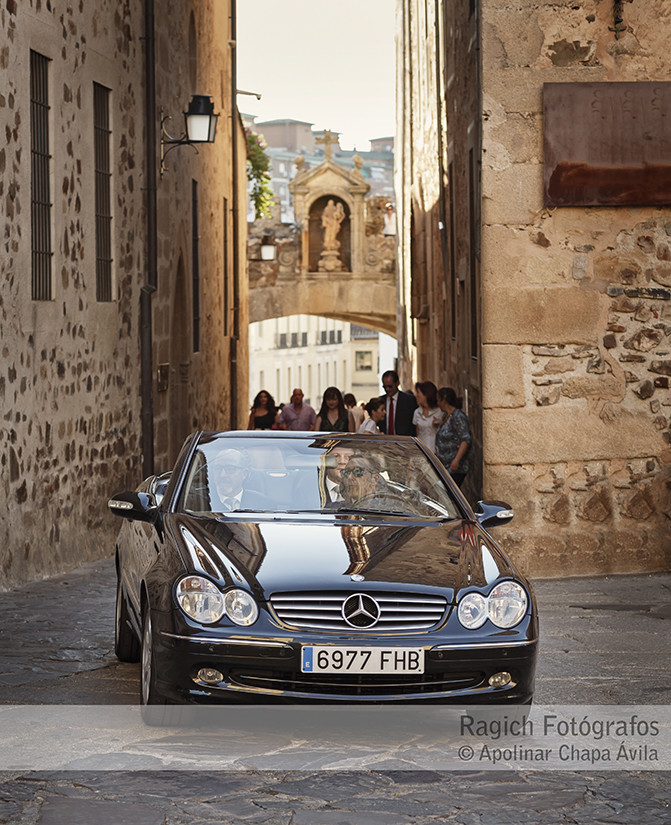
column 330, row 64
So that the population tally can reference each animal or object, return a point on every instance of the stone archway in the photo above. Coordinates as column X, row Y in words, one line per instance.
column 362, row 291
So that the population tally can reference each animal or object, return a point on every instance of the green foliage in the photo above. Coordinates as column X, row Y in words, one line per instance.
column 258, row 164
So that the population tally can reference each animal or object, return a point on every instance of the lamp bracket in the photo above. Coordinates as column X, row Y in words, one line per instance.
column 171, row 142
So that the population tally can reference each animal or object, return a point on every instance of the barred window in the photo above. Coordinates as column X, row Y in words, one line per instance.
column 195, row 266
column 103, row 197
column 40, row 196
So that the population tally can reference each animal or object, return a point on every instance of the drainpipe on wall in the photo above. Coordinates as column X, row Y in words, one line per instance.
column 440, row 102
column 146, row 338
column 235, row 337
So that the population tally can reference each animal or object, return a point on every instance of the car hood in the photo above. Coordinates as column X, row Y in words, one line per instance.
column 271, row 557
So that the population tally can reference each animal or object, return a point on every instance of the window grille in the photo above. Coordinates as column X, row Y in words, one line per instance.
column 195, row 266
column 103, row 197
column 40, row 196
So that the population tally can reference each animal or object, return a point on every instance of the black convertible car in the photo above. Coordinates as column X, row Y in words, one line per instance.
column 314, row 566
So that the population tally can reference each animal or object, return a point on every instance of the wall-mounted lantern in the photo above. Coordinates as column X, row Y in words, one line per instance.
column 268, row 248
column 200, row 124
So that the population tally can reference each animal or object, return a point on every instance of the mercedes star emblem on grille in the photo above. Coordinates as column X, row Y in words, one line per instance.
column 360, row 610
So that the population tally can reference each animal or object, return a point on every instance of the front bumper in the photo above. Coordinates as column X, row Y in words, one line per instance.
column 268, row 667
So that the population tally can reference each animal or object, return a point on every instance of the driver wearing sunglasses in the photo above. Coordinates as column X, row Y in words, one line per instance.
column 359, row 479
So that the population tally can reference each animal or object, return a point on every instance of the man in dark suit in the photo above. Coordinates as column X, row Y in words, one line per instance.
column 230, row 471
column 400, row 407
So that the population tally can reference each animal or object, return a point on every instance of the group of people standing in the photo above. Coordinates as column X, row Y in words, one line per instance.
column 434, row 415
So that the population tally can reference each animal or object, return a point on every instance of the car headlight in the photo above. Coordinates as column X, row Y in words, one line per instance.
column 507, row 604
column 200, row 599
column 240, row 607
column 472, row 611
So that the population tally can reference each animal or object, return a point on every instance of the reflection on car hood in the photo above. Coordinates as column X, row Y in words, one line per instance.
column 273, row 557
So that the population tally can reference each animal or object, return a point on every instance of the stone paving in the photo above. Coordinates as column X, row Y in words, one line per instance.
column 604, row 641
column 362, row 798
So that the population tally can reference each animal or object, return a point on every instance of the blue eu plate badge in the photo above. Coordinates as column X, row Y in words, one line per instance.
column 307, row 660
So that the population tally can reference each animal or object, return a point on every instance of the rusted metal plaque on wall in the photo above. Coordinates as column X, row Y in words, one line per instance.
column 607, row 144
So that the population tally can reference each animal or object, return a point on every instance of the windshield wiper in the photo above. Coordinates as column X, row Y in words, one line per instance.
column 368, row 512
column 270, row 512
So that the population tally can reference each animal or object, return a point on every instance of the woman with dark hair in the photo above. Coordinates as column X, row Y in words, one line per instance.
column 453, row 438
column 332, row 416
column 427, row 416
column 263, row 412
column 376, row 412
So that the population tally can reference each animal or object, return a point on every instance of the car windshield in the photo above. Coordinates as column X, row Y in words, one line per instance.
column 314, row 474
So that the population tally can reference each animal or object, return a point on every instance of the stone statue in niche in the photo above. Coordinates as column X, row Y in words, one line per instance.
column 332, row 218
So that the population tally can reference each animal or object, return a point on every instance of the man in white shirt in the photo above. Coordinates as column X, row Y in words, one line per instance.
column 399, row 407
column 333, row 479
column 389, row 220
column 229, row 471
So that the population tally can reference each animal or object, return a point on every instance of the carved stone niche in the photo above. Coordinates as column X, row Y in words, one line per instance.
column 331, row 260
column 330, row 187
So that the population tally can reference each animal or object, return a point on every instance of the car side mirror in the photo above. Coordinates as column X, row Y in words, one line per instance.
column 134, row 506
column 494, row 513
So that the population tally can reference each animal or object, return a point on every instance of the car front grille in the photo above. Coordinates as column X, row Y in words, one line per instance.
column 324, row 611
column 329, row 684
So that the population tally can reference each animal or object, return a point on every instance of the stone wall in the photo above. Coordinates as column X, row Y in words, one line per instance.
column 69, row 404
column 576, row 308
column 70, row 408
column 200, row 394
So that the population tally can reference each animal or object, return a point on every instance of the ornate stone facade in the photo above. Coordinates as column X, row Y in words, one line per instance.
column 573, row 305
column 358, row 285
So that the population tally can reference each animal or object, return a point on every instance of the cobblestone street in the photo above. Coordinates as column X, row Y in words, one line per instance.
column 604, row 641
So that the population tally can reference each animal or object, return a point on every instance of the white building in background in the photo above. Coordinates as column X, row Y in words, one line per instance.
column 314, row 353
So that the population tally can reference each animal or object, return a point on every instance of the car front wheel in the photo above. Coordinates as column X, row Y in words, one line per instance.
column 155, row 708
column 152, row 703
column 149, row 694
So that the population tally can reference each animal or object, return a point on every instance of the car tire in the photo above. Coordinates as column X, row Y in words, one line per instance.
column 126, row 644
column 154, row 707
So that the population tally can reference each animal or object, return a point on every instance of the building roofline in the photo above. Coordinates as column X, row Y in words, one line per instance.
column 284, row 120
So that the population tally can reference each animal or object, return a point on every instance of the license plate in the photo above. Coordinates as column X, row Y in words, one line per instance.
column 391, row 660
